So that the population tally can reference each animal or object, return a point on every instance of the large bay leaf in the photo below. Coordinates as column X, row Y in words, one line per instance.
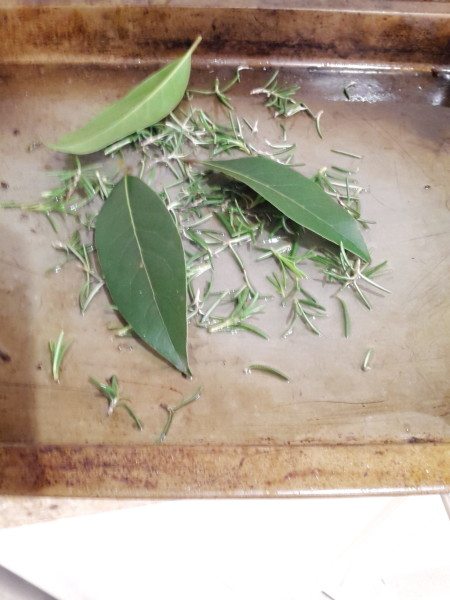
column 146, row 104
column 296, row 196
column 142, row 260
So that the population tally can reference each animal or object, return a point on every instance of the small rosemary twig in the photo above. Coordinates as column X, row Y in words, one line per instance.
column 111, row 392
column 171, row 410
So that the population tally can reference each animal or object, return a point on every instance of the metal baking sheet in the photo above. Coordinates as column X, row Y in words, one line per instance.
column 333, row 428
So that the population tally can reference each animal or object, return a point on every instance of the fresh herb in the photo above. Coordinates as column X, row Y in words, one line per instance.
column 347, row 272
column 267, row 369
column 341, row 185
column 146, row 104
column 146, row 278
column 305, row 315
column 345, row 317
column 220, row 92
column 93, row 283
column 367, row 359
column 297, row 197
column 76, row 188
column 111, row 392
column 288, row 259
column 317, row 123
column 171, row 411
column 246, row 305
column 282, row 102
column 58, row 350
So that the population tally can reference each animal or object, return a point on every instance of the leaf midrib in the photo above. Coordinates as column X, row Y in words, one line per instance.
column 127, row 197
column 267, row 187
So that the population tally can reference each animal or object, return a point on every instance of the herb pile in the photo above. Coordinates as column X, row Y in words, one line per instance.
column 156, row 251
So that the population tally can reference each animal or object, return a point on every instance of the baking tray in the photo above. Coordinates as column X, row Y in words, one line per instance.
column 333, row 429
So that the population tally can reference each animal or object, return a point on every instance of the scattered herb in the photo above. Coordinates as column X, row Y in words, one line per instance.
column 281, row 99
column 146, row 104
column 58, row 350
column 220, row 92
column 347, row 272
column 305, row 315
column 172, row 410
column 267, row 369
column 246, row 305
column 317, row 122
column 367, row 359
column 158, row 251
column 111, row 392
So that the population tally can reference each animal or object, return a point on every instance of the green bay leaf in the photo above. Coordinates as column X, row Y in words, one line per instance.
column 299, row 198
column 142, row 261
column 146, row 104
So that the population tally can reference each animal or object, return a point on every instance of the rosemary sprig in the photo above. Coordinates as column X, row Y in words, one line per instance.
column 306, row 316
column 341, row 185
column 111, row 392
column 77, row 188
column 58, row 350
column 220, row 92
column 246, row 305
column 282, row 102
column 172, row 410
column 279, row 283
column 287, row 262
column 267, row 369
column 340, row 269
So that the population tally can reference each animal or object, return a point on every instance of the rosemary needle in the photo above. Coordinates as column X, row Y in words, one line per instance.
column 267, row 369
column 58, row 350
column 345, row 317
column 345, row 153
column 172, row 410
column 367, row 358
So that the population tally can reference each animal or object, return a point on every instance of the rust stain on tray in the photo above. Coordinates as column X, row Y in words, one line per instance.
column 99, row 31
column 205, row 471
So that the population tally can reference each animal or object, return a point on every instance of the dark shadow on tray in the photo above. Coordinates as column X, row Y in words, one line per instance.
column 17, row 401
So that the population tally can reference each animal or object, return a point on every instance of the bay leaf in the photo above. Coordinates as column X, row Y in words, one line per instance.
column 146, row 104
column 142, row 261
column 299, row 198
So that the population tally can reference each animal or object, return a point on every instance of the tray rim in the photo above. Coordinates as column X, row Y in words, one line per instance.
column 224, row 471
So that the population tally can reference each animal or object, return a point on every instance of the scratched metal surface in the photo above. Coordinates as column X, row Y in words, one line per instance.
column 399, row 124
